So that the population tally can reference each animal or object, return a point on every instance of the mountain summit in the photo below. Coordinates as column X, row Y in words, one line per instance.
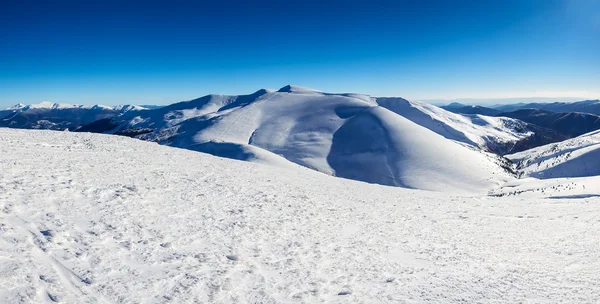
column 296, row 89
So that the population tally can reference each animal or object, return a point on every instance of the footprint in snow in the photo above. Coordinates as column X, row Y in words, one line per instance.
column 344, row 293
column 49, row 234
column 52, row 297
column 232, row 257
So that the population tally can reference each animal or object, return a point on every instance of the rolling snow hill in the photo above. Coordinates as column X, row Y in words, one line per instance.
column 346, row 135
column 499, row 135
column 91, row 218
column 576, row 157
column 55, row 116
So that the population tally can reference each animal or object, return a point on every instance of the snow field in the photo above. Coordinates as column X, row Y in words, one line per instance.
column 89, row 218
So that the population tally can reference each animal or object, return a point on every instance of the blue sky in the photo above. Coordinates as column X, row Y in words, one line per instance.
column 159, row 52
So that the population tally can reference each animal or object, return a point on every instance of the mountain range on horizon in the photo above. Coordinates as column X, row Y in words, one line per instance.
column 591, row 106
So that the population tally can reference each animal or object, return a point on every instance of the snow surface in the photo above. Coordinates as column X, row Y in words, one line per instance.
column 556, row 188
column 90, row 218
column 346, row 135
column 575, row 157
column 490, row 133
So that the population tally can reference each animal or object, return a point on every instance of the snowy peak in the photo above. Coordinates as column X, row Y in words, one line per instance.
column 263, row 92
column 128, row 107
column 52, row 106
column 297, row 89
column 16, row 107
column 47, row 105
column 345, row 135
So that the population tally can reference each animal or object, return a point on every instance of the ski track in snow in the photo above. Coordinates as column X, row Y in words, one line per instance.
column 89, row 218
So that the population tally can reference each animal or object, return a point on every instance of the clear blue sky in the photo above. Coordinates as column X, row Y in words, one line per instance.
column 148, row 52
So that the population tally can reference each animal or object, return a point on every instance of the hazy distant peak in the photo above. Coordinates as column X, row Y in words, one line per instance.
column 456, row 105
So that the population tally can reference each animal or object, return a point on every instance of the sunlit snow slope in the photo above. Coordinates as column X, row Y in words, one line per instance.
column 554, row 188
column 497, row 134
column 89, row 218
column 345, row 135
column 576, row 157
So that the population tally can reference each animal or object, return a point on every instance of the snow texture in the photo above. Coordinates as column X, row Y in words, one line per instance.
column 91, row 218
column 489, row 133
column 575, row 157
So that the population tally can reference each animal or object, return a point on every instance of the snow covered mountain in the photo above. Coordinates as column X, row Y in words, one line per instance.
column 58, row 116
column 85, row 219
column 497, row 135
column 346, row 135
column 576, row 157
column 389, row 141
column 500, row 135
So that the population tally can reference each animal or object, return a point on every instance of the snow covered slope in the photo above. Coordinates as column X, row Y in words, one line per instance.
column 58, row 116
column 345, row 135
column 579, row 156
column 496, row 134
column 90, row 218
column 555, row 188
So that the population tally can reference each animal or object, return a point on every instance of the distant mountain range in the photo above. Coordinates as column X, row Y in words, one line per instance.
column 585, row 106
column 571, row 124
column 55, row 116
column 460, row 108
column 578, row 121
